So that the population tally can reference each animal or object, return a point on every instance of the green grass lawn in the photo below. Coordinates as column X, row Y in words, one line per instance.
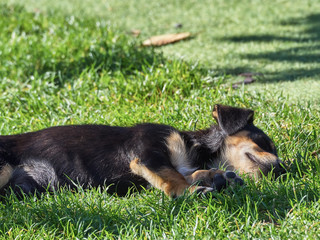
column 279, row 39
column 74, row 63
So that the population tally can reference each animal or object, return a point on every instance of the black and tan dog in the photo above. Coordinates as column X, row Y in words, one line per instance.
column 121, row 157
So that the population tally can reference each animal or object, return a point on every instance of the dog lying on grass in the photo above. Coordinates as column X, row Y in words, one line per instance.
column 121, row 157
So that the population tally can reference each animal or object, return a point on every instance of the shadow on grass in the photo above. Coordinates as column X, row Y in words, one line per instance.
column 117, row 58
column 72, row 54
column 67, row 213
column 84, row 217
column 306, row 54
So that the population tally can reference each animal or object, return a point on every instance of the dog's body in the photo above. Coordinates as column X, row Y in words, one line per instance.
column 122, row 157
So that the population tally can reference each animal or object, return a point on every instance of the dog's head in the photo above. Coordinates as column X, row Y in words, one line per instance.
column 246, row 148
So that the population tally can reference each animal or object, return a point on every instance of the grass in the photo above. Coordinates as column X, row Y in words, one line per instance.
column 57, row 68
column 279, row 39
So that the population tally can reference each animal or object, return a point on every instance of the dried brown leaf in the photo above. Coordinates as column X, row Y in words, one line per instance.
column 135, row 32
column 165, row 39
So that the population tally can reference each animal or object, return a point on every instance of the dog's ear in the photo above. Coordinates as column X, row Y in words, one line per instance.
column 231, row 119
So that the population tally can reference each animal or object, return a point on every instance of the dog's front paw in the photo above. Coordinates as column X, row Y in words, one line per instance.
column 222, row 179
column 214, row 179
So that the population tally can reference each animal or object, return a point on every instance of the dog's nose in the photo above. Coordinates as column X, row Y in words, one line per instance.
column 279, row 168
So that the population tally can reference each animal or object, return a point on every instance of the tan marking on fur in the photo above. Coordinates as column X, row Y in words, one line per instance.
column 166, row 179
column 235, row 159
column 262, row 154
column 238, row 138
column 215, row 113
column 178, row 153
column 203, row 176
column 5, row 175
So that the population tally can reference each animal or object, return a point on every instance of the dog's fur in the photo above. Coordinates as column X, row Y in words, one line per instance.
column 122, row 157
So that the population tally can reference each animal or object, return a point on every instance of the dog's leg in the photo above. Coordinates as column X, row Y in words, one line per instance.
column 167, row 179
column 32, row 177
column 22, row 183
column 215, row 178
column 5, row 174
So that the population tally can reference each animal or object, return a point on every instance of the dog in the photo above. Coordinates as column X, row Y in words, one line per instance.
column 145, row 154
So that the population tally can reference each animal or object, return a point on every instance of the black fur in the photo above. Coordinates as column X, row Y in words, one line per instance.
column 231, row 119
